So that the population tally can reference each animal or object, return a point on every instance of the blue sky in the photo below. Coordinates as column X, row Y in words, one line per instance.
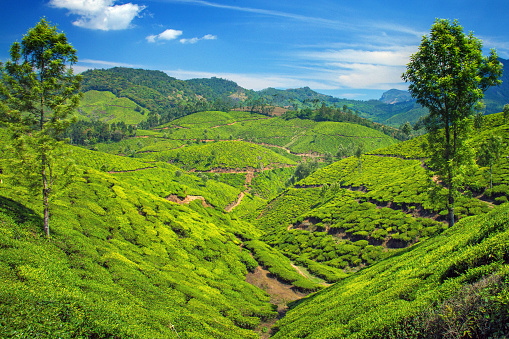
column 349, row 49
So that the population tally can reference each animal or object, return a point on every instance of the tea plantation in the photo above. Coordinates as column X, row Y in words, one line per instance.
column 155, row 236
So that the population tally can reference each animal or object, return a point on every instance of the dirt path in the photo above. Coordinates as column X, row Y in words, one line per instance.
column 280, row 295
column 247, row 183
column 236, row 203
column 298, row 270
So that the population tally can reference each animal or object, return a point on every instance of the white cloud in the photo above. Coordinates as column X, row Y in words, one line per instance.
column 395, row 56
column 359, row 67
column 370, row 76
column 167, row 35
column 189, row 41
column 86, row 64
column 106, row 64
column 195, row 40
column 100, row 14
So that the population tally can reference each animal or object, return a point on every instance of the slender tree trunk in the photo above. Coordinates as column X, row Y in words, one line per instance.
column 491, row 176
column 45, row 184
column 45, row 194
column 451, row 210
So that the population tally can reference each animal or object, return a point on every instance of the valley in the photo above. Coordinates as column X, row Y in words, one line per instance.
column 213, row 236
column 171, row 221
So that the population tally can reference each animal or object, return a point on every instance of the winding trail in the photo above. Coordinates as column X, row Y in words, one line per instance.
column 188, row 199
column 247, row 183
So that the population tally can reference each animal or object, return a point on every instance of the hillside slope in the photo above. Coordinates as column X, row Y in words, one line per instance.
column 143, row 248
column 357, row 212
column 106, row 107
column 124, row 261
column 455, row 284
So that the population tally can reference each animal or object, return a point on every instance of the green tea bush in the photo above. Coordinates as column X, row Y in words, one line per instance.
column 279, row 265
column 457, row 278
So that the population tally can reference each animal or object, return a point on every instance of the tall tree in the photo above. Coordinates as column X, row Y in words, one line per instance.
column 449, row 75
column 506, row 113
column 488, row 153
column 40, row 92
column 358, row 155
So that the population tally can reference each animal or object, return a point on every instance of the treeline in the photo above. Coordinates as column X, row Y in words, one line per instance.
column 325, row 113
column 216, row 88
column 184, row 108
column 85, row 133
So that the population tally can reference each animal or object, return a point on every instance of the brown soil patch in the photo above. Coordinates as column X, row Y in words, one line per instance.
column 279, row 111
column 236, row 203
column 187, row 199
column 280, row 294
column 247, row 183
column 249, row 179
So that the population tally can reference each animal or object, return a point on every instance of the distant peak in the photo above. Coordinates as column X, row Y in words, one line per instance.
column 394, row 96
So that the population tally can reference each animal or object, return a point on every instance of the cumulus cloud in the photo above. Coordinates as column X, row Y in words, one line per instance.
column 169, row 34
column 100, row 14
column 195, row 40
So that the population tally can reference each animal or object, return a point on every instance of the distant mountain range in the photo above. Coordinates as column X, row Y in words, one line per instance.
column 494, row 98
column 160, row 93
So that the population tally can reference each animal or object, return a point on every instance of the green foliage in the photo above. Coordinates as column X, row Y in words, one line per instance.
column 303, row 170
column 148, row 248
column 489, row 153
column 106, row 107
column 279, row 265
column 268, row 184
column 154, row 91
column 223, row 154
column 39, row 91
column 477, row 310
column 295, row 135
column 449, row 64
column 442, row 275
column 125, row 262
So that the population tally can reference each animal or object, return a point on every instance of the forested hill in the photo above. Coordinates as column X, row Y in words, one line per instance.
column 153, row 90
column 496, row 97
column 217, row 88
column 171, row 98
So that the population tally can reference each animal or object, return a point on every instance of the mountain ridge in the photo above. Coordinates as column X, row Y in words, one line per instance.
column 166, row 95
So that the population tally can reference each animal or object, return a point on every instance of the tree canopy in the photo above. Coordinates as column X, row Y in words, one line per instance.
column 449, row 75
column 40, row 92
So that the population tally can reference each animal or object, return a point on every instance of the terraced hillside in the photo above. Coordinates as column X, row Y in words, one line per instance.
column 454, row 285
column 126, row 261
column 193, row 230
column 295, row 136
column 106, row 107
column 357, row 212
